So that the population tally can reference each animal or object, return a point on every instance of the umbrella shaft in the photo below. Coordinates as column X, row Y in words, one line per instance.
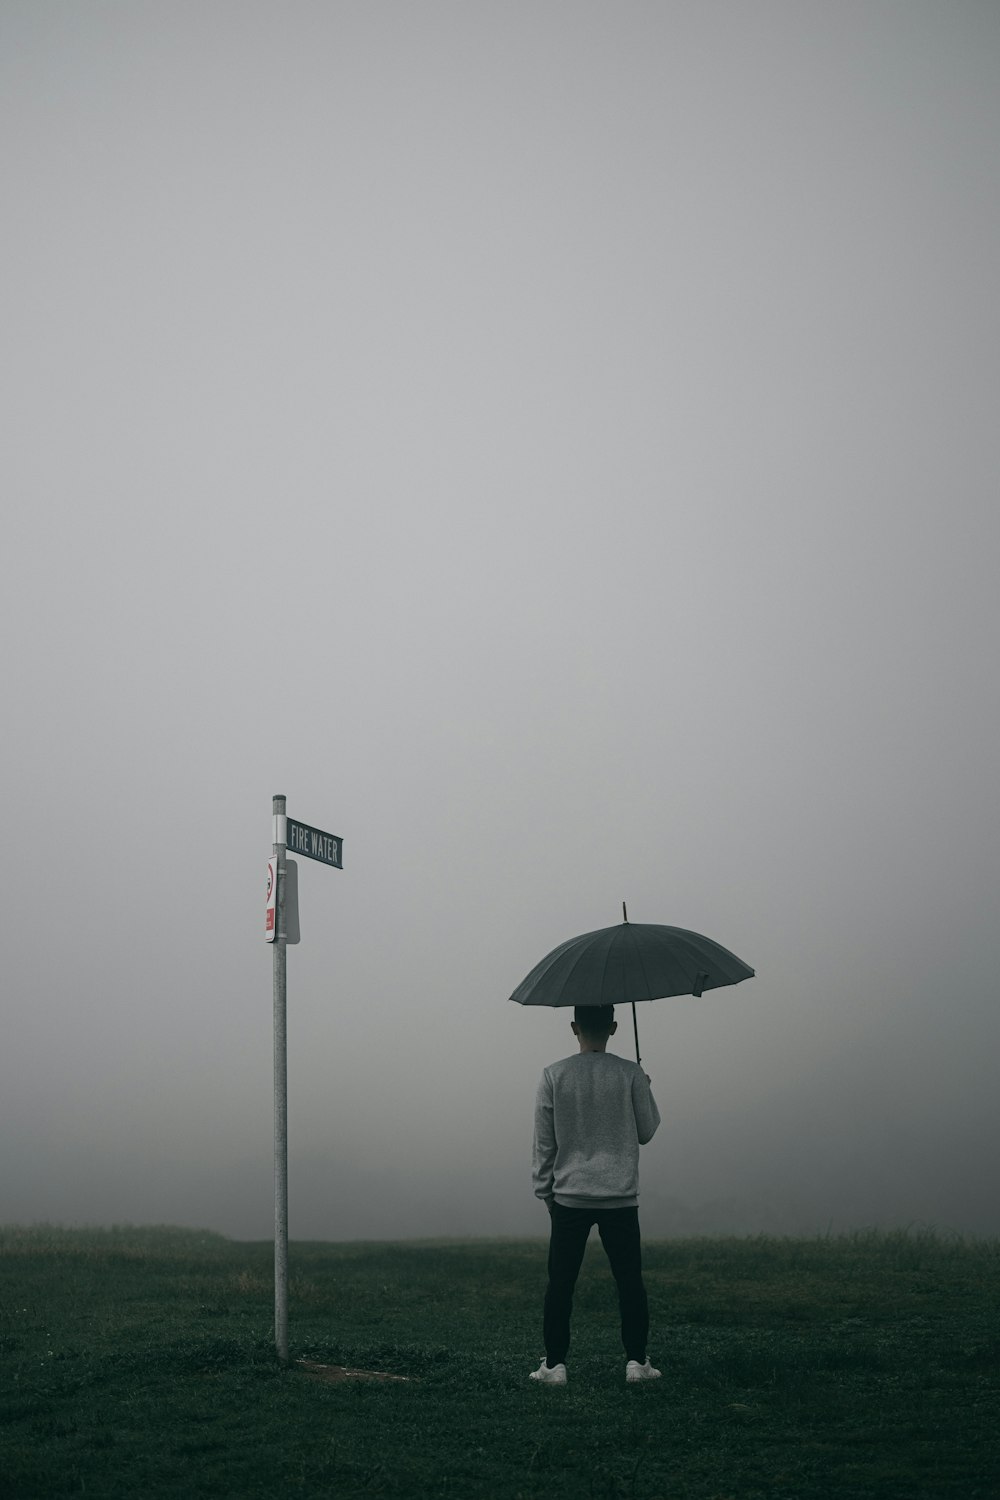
column 635, row 1027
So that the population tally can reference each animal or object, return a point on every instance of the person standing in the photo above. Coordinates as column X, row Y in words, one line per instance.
column 593, row 1111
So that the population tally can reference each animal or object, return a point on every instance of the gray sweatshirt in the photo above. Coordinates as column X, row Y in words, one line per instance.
column 592, row 1113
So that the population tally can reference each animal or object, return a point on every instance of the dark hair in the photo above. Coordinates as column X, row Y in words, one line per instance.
column 594, row 1021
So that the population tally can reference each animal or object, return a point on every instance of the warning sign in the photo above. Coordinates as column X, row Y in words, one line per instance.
column 272, row 900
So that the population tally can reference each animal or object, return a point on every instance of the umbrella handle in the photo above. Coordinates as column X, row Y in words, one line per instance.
column 635, row 1027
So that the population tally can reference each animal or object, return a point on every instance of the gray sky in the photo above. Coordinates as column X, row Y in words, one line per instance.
column 556, row 446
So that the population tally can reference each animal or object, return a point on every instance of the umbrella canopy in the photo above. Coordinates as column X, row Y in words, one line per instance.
column 632, row 961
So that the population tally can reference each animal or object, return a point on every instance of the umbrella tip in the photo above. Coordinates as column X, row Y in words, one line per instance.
column 624, row 913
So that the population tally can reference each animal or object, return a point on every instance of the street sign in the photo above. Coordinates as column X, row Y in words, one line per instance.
column 314, row 843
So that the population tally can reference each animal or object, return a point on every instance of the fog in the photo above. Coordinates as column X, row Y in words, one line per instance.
column 554, row 445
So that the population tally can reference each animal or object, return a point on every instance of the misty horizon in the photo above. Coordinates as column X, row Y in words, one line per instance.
column 556, row 447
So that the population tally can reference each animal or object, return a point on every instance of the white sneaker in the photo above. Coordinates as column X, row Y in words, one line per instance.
column 555, row 1376
column 635, row 1371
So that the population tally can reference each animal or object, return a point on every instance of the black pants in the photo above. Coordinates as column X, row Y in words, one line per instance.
column 619, row 1231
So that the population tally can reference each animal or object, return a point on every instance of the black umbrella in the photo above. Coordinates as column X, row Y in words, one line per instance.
column 634, row 961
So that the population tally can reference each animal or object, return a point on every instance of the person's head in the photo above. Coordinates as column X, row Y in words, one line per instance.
column 592, row 1025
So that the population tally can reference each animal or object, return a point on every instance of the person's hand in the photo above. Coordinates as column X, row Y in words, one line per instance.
column 647, row 1078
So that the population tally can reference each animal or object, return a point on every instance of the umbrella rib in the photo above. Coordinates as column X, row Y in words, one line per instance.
column 642, row 967
column 581, row 955
column 604, row 971
column 547, row 963
column 727, row 963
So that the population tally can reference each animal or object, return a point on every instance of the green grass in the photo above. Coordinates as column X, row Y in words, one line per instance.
column 139, row 1362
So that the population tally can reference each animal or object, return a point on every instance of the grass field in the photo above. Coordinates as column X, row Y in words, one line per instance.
column 139, row 1362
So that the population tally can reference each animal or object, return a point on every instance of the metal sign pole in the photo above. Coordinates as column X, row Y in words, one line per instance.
column 278, row 950
column 282, row 881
